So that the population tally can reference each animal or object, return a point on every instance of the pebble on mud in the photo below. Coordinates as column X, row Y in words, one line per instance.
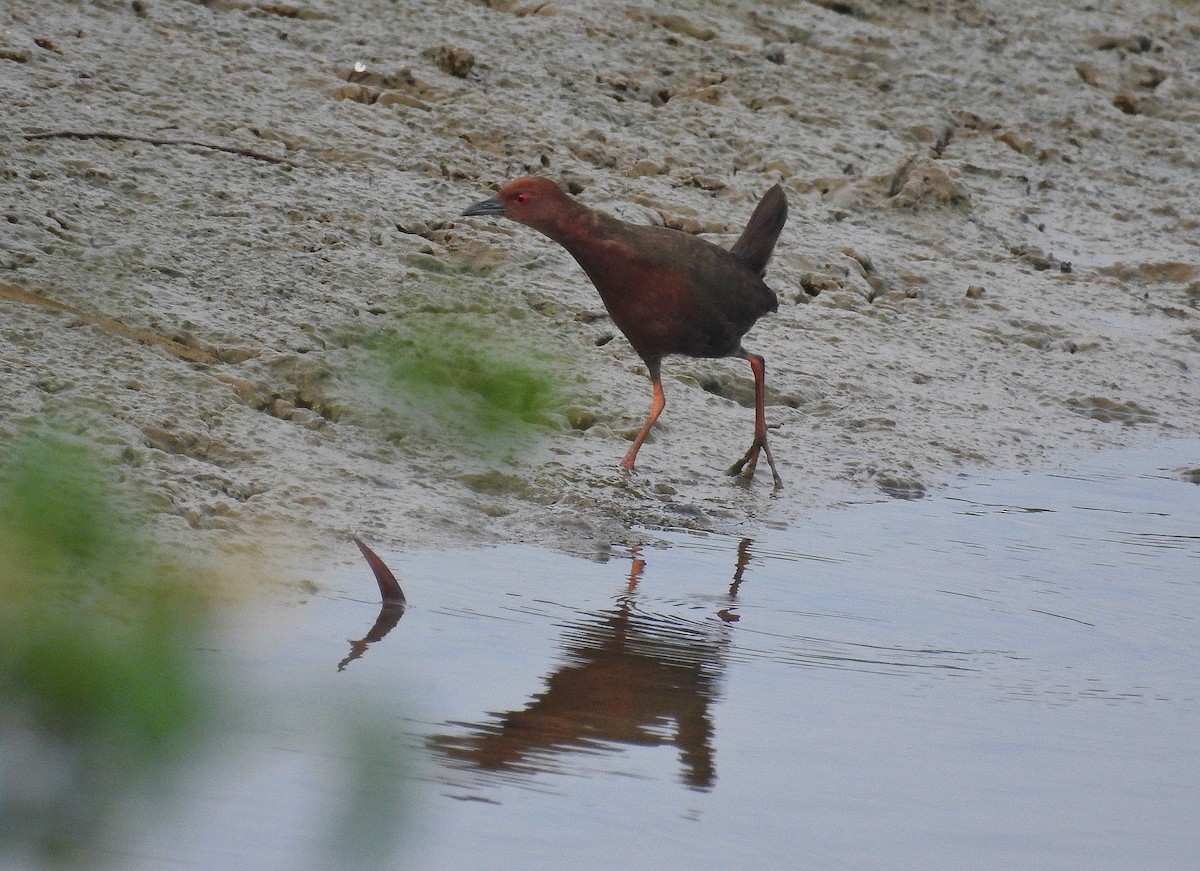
column 457, row 62
column 580, row 419
column 900, row 488
column 919, row 182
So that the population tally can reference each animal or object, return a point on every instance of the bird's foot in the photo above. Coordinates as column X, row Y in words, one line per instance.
column 744, row 468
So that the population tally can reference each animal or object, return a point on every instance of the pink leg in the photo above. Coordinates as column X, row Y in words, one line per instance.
column 748, row 462
column 656, row 407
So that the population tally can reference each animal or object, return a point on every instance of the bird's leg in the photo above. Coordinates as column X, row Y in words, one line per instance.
column 748, row 462
column 656, row 407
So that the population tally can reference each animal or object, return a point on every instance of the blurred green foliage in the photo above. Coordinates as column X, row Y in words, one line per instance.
column 103, row 696
column 365, row 825
column 458, row 379
column 99, row 693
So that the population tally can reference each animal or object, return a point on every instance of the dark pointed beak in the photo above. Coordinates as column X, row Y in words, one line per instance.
column 490, row 206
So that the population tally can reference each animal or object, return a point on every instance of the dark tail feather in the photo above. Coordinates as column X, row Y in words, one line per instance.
column 758, row 240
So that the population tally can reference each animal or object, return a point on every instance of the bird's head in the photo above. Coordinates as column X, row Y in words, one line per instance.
column 536, row 202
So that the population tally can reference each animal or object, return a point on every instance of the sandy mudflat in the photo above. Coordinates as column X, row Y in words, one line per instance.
column 992, row 260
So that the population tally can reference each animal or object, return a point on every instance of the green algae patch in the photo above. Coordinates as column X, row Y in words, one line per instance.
column 456, row 381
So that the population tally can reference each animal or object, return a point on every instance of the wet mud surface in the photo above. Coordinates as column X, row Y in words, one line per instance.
column 209, row 211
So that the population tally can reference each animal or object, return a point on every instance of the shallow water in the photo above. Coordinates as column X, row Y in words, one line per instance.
column 1003, row 675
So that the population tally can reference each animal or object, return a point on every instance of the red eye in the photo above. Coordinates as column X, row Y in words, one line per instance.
column 520, row 199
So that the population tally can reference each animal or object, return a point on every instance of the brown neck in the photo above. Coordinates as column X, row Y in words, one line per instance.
column 571, row 225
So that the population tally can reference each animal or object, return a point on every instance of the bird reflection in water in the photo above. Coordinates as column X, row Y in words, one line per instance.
column 391, row 609
column 628, row 677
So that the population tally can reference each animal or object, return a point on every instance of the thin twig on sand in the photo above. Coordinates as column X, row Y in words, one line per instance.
column 158, row 140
